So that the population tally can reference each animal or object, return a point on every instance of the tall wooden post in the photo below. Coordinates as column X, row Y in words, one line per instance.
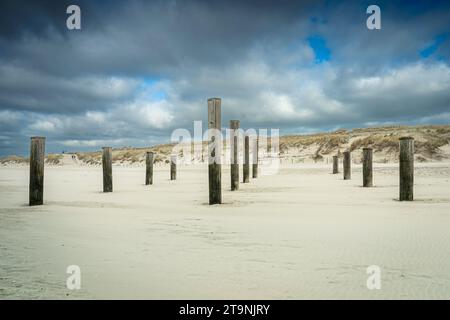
column 406, row 168
column 367, row 167
column 107, row 169
column 347, row 166
column 173, row 167
column 246, row 166
column 149, row 168
column 214, row 151
column 335, row 164
column 234, row 152
column 36, row 187
column 255, row 157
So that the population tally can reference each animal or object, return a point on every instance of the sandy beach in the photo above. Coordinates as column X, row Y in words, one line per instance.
column 303, row 233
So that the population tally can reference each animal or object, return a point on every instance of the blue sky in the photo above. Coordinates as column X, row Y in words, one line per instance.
column 319, row 46
column 430, row 50
column 138, row 70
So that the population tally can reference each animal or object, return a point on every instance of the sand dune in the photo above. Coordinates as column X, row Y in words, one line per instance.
column 303, row 233
column 432, row 144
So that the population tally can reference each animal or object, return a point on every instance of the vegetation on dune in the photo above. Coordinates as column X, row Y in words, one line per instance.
column 430, row 145
column 127, row 155
column 427, row 142
column 325, row 142
column 53, row 159
column 383, row 140
column 379, row 143
column 14, row 159
column 90, row 158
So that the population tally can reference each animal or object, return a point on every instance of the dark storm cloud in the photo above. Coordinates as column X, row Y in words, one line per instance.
column 139, row 69
column 26, row 89
column 135, row 37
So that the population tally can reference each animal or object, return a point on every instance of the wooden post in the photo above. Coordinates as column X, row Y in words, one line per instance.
column 335, row 164
column 36, row 187
column 214, row 151
column 406, row 168
column 347, row 166
column 255, row 157
column 246, row 166
column 107, row 169
column 367, row 167
column 234, row 152
column 173, row 167
column 149, row 168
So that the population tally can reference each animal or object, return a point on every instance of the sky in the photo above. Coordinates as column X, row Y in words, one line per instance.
column 137, row 70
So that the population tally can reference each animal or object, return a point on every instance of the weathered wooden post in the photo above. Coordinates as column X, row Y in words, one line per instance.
column 255, row 157
column 234, row 152
column 107, row 169
column 335, row 164
column 173, row 167
column 149, row 168
column 37, row 154
column 347, row 166
column 367, row 167
column 214, row 151
column 406, row 168
column 246, row 166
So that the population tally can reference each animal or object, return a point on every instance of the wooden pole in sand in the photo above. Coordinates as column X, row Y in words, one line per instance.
column 149, row 168
column 367, row 167
column 173, row 167
column 107, row 169
column 347, row 165
column 406, row 168
column 246, row 166
column 255, row 157
column 36, row 187
column 234, row 167
column 335, row 164
column 214, row 151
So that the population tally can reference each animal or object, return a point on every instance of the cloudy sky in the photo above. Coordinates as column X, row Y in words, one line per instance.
column 137, row 70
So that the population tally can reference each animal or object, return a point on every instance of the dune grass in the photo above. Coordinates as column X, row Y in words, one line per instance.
column 429, row 143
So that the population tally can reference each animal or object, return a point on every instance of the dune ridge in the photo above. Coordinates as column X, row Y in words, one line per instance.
column 432, row 143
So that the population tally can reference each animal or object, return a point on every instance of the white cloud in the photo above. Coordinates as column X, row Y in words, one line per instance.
column 104, row 88
column 44, row 126
column 95, row 117
column 416, row 79
column 92, row 143
column 8, row 117
column 150, row 114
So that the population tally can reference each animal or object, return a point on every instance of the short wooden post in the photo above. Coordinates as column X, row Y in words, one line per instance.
column 335, row 164
column 367, row 167
column 234, row 152
column 347, row 165
column 149, row 168
column 246, row 166
column 107, row 169
column 214, row 151
column 255, row 157
column 406, row 168
column 36, row 187
column 173, row 167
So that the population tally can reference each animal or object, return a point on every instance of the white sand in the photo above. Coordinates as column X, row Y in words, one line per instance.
column 303, row 233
